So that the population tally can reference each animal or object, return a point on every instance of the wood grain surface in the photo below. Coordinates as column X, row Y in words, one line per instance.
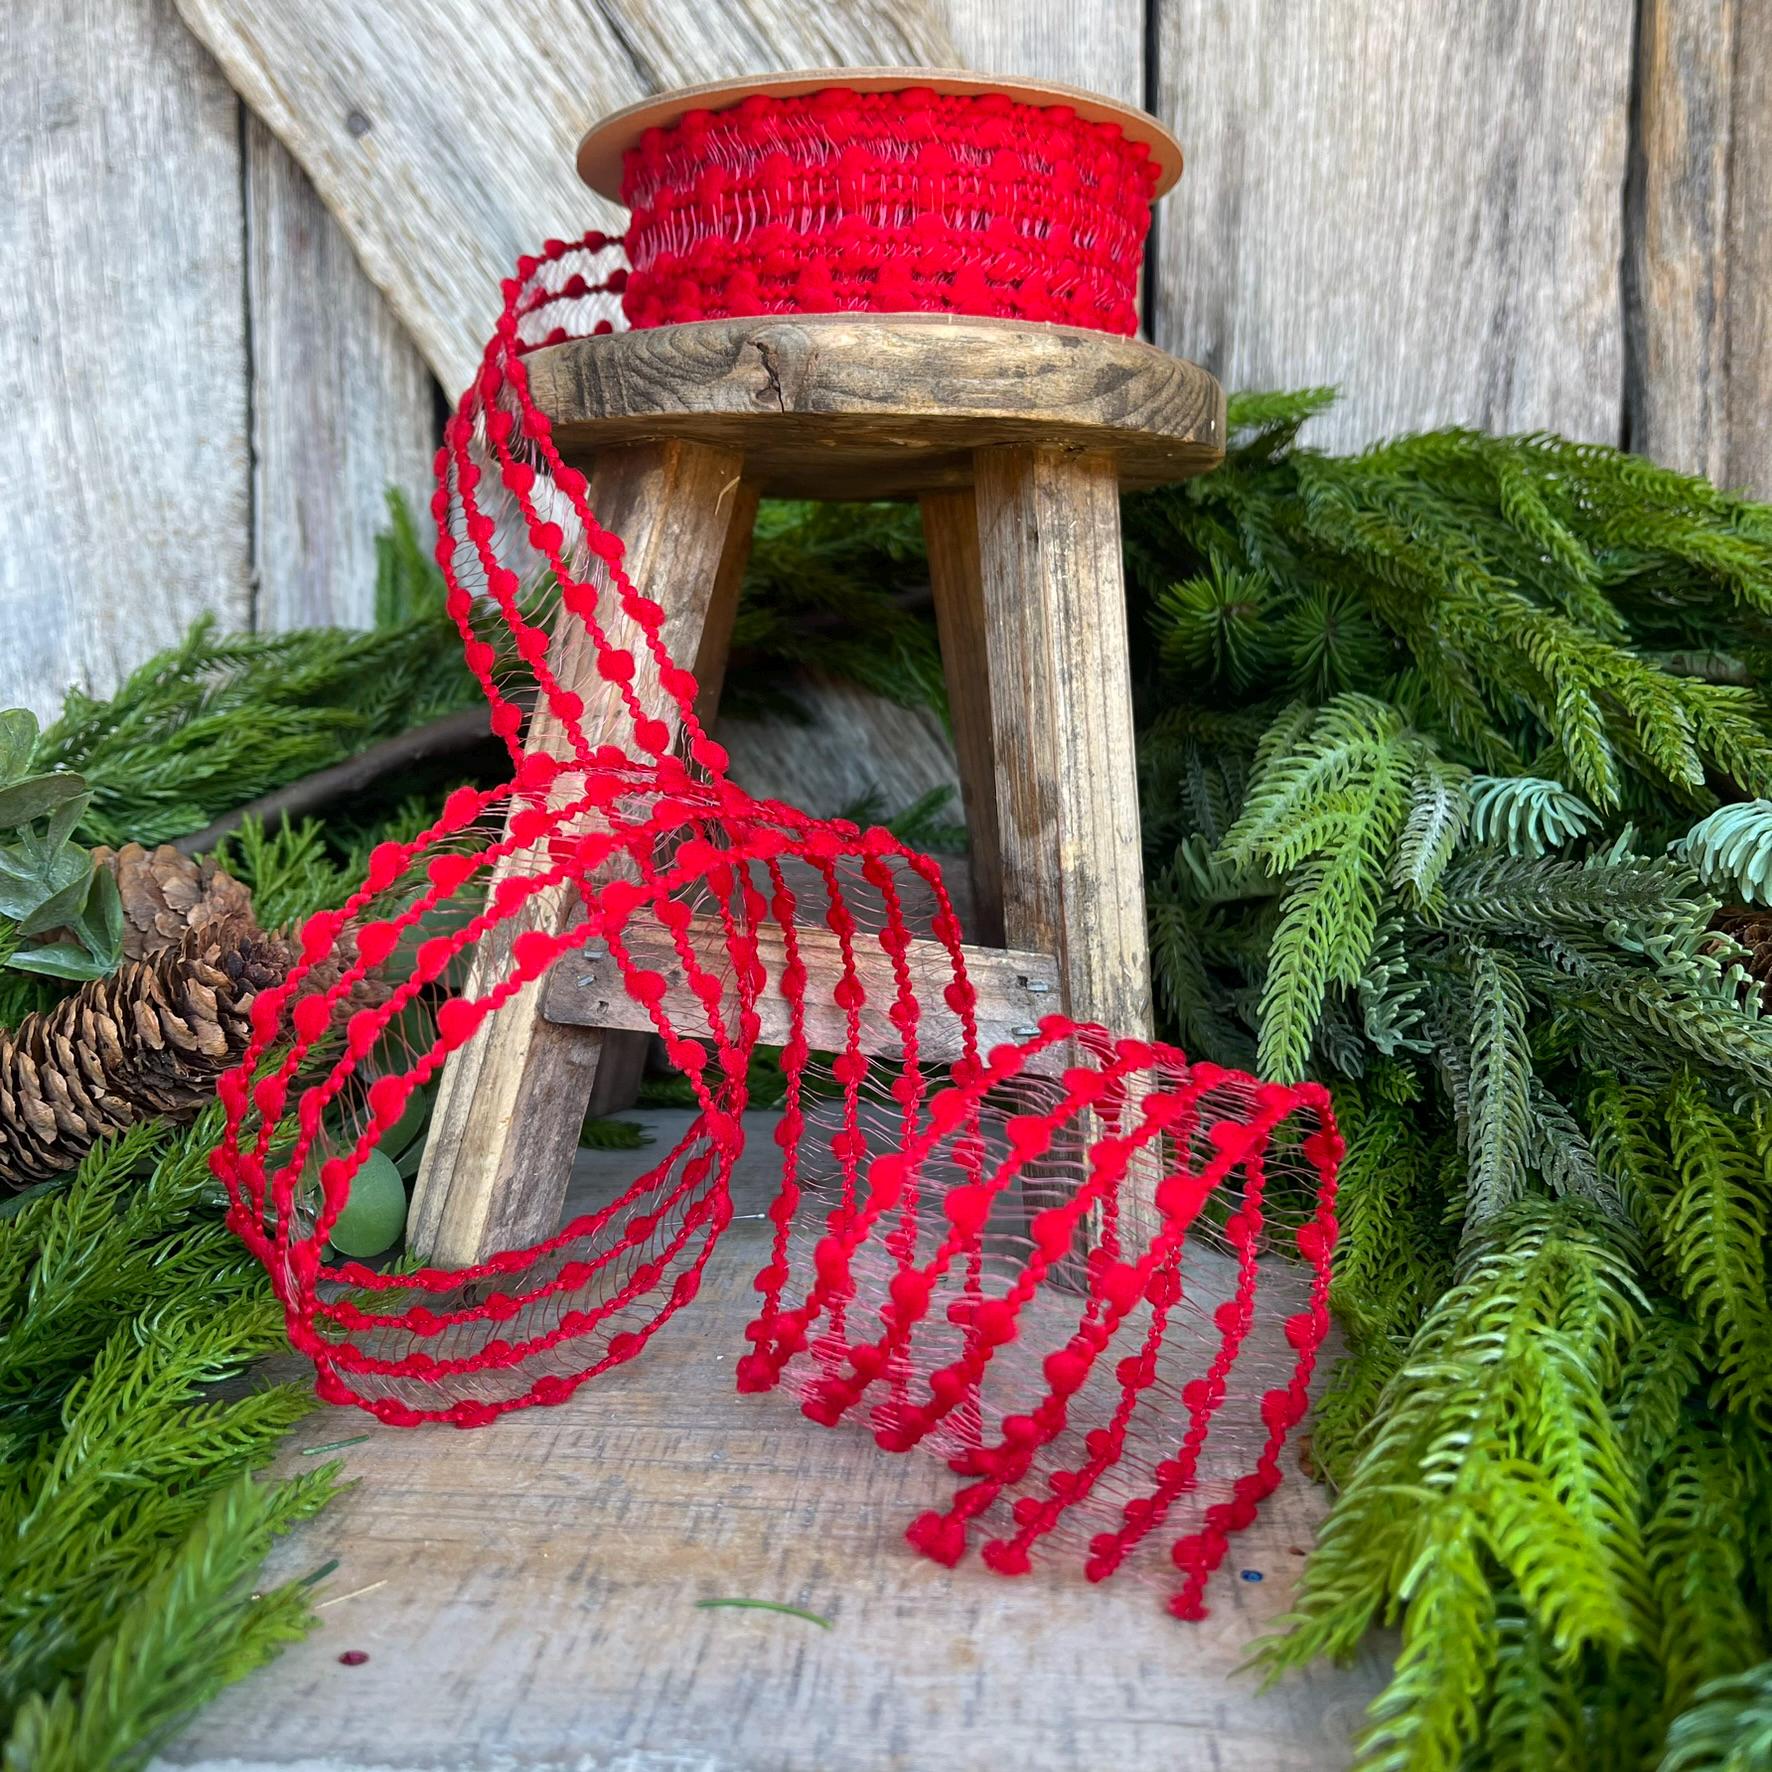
column 1014, row 990
column 1421, row 204
column 343, row 406
column 527, row 1597
column 1098, row 44
column 442, row 137
column 1700, row 267
column 122, row 343
column 840, row 406
column 1061, row 713
column 1418, row 203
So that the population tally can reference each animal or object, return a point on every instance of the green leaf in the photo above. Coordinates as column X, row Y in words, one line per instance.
column 60, row 959
column 100, row 922
column 35, row 797
column 18, row 739
column 65, row 903
column 29, row 882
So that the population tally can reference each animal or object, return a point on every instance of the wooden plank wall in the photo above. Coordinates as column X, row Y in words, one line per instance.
column 1420, row 204
column 207, row 395
column 1508, row 212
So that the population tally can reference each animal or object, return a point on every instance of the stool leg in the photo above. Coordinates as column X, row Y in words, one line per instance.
column 950, row 528
column 511, row 1101
column 622, row 1061
column 1054, row 609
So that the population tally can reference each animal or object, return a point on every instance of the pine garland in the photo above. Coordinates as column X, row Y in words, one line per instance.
column 1432, row 810
column 130, row 1518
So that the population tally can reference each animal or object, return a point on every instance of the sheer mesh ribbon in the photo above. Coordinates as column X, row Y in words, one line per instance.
column 1087, row 1274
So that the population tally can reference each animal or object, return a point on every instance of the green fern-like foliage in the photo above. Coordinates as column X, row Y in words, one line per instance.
column 130, row 1517
column 1525, row 814
column 1712, row 1221
column 1327, row 801
column 1728, row 1727
column 1449, row 754
column 1492, row 1459
column 1432, row 748
column 1732, row 850
column 1696, row 1535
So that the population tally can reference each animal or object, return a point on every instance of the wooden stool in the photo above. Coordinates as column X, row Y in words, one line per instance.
column 1018, row 439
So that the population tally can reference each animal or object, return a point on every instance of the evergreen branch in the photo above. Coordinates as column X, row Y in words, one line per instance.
column 1696, row 1541
column 178, row 1641
column 1439, row 810
column 1713, row 1227
column 1727, row 1728
column 1659, row 1375
column 1732, row 850
column 1526, row 815
column 1499, row 1413
column 1558, row 1149
column 1535, row 1715
column 1429, row 1709
column 1500, row 1087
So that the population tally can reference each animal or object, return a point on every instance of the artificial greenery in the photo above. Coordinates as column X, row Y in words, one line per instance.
column 1444, row 786
column 130, row 1514
column 60, row 917
column 833, row 587
column 1451, row 754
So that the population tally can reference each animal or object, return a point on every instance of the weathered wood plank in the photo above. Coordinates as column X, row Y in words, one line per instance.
column 122, row 312
column 1700, row 266
column 1014, row 990
column 1099, row 45
column 840, row 406
column 527, row 1595
column 343, row 406
column 442, row 138
column 511, row 1101
column 1417, row 203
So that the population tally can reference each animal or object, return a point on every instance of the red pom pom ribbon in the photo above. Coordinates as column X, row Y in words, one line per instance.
column 1089, row 1275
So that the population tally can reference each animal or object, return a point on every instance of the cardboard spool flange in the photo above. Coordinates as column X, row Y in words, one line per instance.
column 600, row 153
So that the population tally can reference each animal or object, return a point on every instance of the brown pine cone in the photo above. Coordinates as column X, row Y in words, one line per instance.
column 149, row 1040
column 1752, row 927
column 165, row 893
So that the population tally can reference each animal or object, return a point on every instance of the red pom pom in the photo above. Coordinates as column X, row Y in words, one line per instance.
column 457, row 1020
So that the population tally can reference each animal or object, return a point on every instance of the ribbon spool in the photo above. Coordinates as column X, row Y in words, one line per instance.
column 1095, row 1380
column 884, row 192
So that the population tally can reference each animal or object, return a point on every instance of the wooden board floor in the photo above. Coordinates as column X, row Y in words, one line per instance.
column 527, row 1593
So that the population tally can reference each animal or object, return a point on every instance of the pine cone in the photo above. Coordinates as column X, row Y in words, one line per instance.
column 1752, row 927
column 165, row 893
column 149, row 1040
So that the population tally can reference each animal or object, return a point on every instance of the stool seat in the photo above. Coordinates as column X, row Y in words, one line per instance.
column 847, row 406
